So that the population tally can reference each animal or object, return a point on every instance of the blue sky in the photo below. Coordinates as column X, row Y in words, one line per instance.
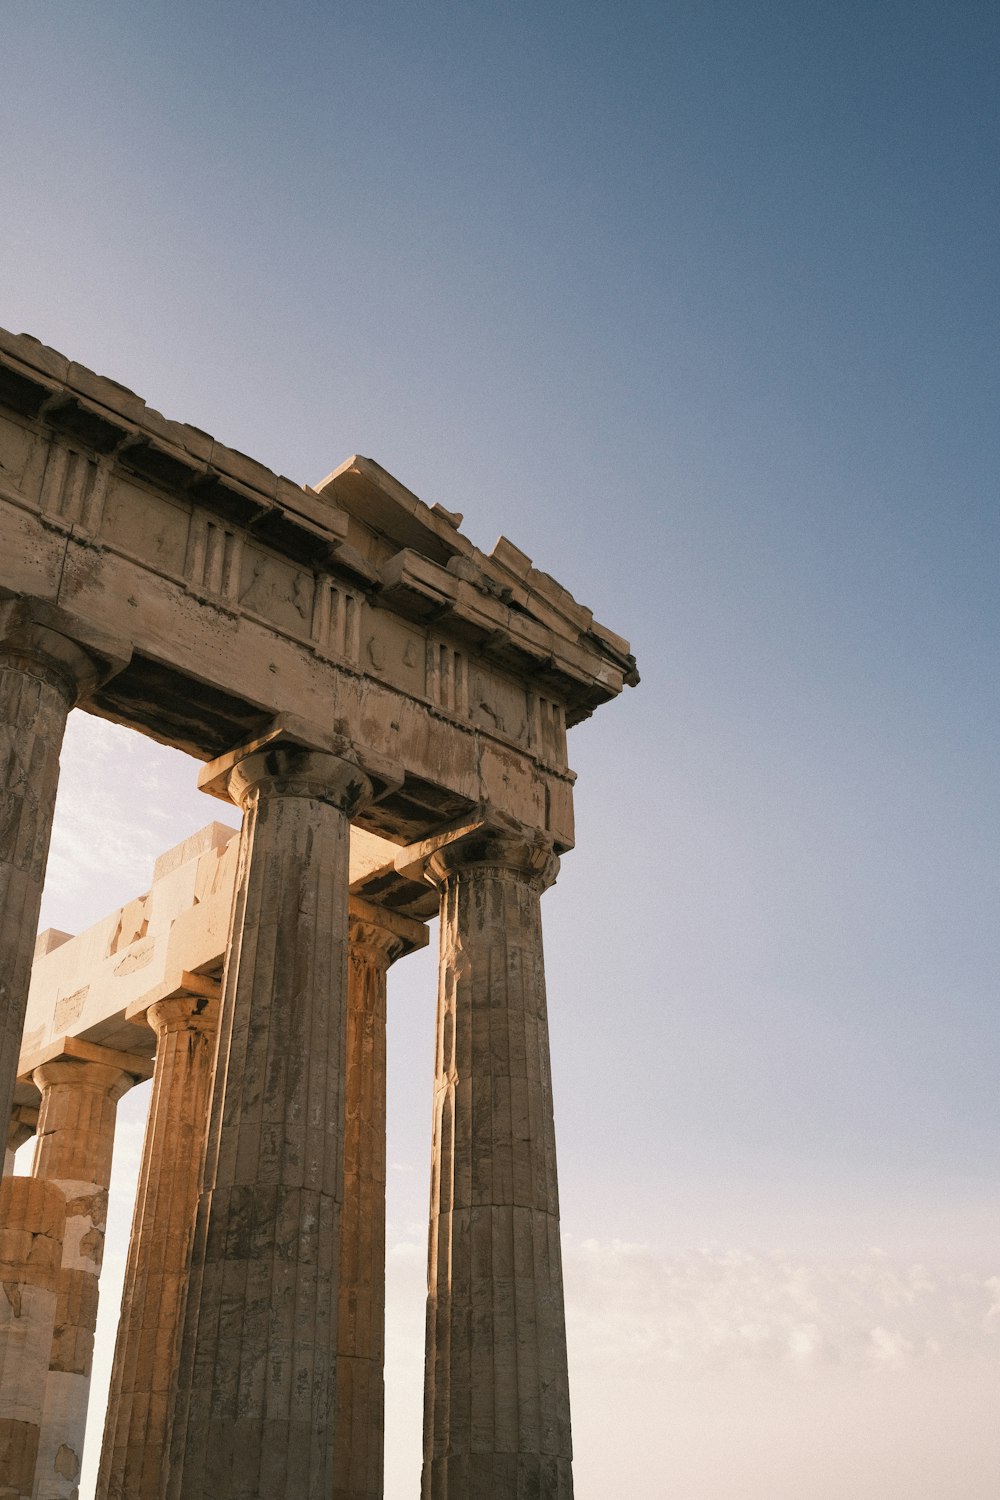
column 697, row 303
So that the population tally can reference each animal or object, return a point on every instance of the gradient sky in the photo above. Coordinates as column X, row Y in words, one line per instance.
column 698, row 304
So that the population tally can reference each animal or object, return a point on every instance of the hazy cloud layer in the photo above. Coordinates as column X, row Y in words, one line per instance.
column 630, row 1307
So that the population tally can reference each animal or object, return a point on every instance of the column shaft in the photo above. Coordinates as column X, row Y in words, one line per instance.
column 377, row 939
column 31, row 1230
column 133, row 1458
column 255, row 1396
column 49, row 660
column 35, row 701
column 76, row 1132
column 496, row 1416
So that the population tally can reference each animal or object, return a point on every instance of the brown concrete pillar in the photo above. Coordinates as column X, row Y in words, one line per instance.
column 48, row 662
column 255, row 1392
column 76, row 1133
column 133, row 1459
column 31, row 1230
column 377, row 938
column 496, row 1410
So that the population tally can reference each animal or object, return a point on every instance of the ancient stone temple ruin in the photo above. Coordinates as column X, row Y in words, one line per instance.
column 388, row 707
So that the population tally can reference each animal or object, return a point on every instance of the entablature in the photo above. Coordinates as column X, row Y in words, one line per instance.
column 353, row 605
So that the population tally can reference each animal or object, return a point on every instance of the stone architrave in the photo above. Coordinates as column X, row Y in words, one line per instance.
column 496, row 1413
column 377, row 938
column 255, row 1394
column 48, row 661
column 31, row 1232
column 133, row 1459
column 76, row 1133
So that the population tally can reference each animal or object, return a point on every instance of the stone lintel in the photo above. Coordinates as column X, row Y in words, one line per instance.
column 178, row 985
column 289, row 729
column 212, row 836
column 74, row 1049
column 412, row 934
column 545, row 631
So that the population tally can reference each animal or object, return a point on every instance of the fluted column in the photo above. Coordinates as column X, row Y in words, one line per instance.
column 133, row 1459
column 496, row 1414
column 76, row 1134
column 31, row 1232
column 377, row 939
column 43, row 671
column 255, row 1392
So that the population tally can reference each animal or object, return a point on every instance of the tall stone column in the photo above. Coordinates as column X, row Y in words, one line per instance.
column 255, row 1392
column 48, row 662
column 76, row 1133
column 133, row 1460
column 496, row 1410
column 31, row 1232
column 377, row 938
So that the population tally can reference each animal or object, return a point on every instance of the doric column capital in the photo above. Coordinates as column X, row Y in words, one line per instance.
column 183, row 1013
column 58, row 647
column 23, row 1124
column 293, row 771
column 294, row 758
column 102, row 1078
column 526, row 854
column 384, row 934
column 188, row 1002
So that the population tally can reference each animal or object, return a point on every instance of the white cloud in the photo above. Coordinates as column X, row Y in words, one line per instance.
column 708, row 1311
column 122, row 801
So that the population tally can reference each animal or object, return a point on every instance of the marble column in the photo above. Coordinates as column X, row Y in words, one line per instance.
column 496, row 1408
column 44, row 670
column 76, row 1133
column 31, row 1232
column 254, row 1408
column 377, row 938
column 133, row 1459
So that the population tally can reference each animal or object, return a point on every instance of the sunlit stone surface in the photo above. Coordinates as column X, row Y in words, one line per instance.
column 388, row 705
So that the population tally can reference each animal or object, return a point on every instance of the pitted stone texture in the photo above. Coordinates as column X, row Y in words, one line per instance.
column 76, row 1132
column 133, row 1460
column 31, row 1216
column 43, row 672
column 359, row 1420
column 496, row 1416
column 34, row 704
column 255, row 1400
